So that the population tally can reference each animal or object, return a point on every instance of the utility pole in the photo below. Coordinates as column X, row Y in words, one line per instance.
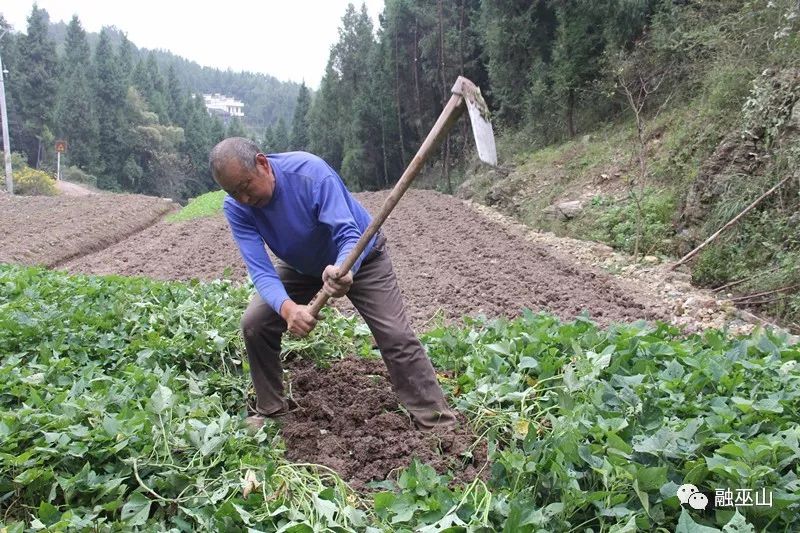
column 6, row 142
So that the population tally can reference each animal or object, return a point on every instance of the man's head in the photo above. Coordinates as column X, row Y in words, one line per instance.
column 243, row 171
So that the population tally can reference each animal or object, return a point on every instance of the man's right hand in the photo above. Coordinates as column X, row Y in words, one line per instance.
column 298, row 320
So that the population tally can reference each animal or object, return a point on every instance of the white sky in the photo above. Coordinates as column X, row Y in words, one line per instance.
column 289, row 39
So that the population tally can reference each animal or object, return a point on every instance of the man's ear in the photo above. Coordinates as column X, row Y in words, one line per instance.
column 261, row 159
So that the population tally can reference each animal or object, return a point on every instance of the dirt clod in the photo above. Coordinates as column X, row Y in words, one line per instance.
column 350, row 420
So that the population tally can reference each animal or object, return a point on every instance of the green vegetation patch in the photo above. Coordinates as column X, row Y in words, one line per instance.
column 122, row 405
column 205, row 205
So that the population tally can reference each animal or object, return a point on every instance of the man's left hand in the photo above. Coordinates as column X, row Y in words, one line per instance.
column 333, row 285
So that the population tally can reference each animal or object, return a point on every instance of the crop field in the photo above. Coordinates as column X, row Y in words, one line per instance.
column 123, row 398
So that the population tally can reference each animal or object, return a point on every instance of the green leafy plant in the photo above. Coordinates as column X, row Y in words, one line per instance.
column 617, row 225
column 122, row 405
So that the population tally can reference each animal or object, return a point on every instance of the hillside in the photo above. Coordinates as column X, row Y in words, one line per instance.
column 266, row 98
column 716, row 132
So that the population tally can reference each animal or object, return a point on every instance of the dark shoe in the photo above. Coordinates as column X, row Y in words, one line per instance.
column 256, row 421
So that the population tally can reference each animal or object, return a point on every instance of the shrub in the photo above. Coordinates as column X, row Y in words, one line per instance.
column 617, row 226
column 32, row 182
column 76, row 175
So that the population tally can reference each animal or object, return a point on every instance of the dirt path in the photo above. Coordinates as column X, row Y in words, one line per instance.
column 73, row 189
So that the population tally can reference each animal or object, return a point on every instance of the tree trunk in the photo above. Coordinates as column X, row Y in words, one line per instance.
column 446, row 159
column 383, row 148
column 416, row 70
column 397, row 98
column 571, row 113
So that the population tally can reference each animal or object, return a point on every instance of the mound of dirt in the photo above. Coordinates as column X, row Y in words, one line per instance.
column 49, row 230
column 350, row 420
column 202, row 248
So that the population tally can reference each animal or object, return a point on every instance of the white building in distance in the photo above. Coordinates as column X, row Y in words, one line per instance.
column 225, row 106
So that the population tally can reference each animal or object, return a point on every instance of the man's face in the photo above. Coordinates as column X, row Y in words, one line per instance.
column 253, row 188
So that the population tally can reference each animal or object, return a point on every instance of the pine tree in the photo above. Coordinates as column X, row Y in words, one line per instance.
column 75, row 115
column 174, row 97
column 280, row 137
column 578, row 51
column 299, row 138
column 325, row 137
column 157, row 98
column 518, row 36
column 9, row 46
column 342, row 115
column 110, row 93
column 199, row 139
column 125, row 54
column 37, row 85
column 235, row 128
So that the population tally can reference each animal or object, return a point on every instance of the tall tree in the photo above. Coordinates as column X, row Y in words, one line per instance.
column 173, row 93
column 278, row 137
column 236, row 128
column 578, row 51
column 157, row 99
column 110, row 94
column 198, row 142
column 9, row 47
column 37, row 95
column 125, row 57
column 325, row 136
column 299, row 137
column 75, row 114
column 517, row 35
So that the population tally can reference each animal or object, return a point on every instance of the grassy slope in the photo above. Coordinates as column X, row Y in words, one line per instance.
column 722, row 94
column 203, row 206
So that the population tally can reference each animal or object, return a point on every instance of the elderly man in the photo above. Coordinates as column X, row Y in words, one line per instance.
column 298, row 205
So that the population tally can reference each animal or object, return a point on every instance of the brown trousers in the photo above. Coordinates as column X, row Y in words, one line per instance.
column 377, row 298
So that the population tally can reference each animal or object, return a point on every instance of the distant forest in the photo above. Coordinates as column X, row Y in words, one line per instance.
column 128, row 114
column 547, row 67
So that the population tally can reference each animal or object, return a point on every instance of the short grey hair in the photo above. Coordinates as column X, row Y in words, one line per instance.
column 238, row 149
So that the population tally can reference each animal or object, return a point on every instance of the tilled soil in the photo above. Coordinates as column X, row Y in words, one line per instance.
column 47, row 231
column 449, row 259
column 349, row 420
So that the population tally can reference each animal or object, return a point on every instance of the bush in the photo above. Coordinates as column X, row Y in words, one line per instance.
column 76, row 175
column 617, row 226
column 32, row 182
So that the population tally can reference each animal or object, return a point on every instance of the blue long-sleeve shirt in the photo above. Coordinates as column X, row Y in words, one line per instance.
column 312, row 221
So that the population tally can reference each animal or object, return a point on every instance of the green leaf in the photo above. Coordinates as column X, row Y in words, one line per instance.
column 324, row 508
column 628, row 527
column 48, row 514
column 161, row 399
column 738, row 524
column 643, row 497
column 687, row 525
column 136, row 510
column 502, row 349
column 651, row 478
column 31, row 475
column 383, row 500
column 674, row 371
